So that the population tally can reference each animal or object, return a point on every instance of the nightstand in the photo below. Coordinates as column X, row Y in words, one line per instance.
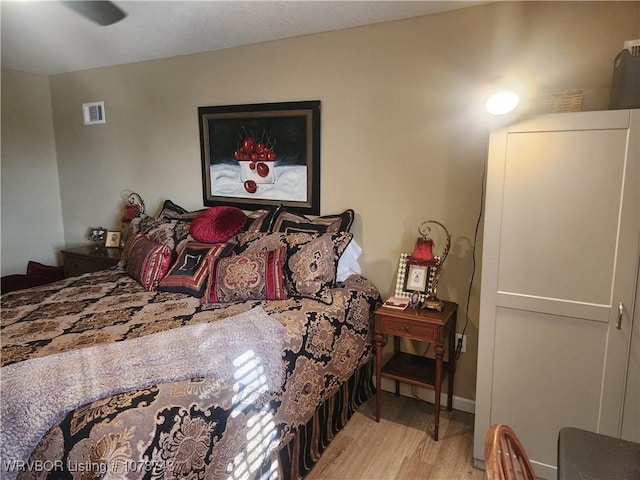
column 88, row 259
column 426, row 326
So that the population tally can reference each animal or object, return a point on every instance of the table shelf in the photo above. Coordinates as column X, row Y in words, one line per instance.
column 413, row 369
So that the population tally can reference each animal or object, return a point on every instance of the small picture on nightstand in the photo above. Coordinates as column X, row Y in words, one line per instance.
column 97, row 234
column 414, row 301
column 112, row 239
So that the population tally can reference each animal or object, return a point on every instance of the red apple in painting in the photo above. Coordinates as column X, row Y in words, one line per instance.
column 247, row 145
column 250, row 186
column 262, row 169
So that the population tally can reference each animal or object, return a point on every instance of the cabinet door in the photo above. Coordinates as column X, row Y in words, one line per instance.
column 560, row 258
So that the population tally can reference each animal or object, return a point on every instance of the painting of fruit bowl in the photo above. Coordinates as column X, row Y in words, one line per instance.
column 261, row 154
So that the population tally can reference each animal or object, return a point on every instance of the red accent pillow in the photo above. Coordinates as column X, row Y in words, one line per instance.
column 217, row 224
column 148, row 261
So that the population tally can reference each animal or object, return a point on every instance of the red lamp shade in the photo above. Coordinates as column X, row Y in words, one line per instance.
column 423, row 251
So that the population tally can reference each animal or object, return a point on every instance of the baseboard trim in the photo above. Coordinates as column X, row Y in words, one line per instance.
column 459, row 403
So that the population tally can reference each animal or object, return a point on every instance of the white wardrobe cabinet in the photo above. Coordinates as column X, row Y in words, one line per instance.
column 559, row 280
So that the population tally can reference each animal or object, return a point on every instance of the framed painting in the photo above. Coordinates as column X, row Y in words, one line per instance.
column 417, row 277
column 261, row 154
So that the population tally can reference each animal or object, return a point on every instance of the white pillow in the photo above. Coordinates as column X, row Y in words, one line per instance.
column 348, row 263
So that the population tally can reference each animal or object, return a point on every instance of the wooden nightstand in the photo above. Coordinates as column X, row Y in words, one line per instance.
column 88, row 259
column 426, row 326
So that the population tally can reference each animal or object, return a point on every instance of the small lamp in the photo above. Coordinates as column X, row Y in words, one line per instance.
column 133, row 207
column 423, row 255
column 423, row 251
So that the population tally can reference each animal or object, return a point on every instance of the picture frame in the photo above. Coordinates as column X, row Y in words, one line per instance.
column 112, row 239
column 97, row 234
column 256, row 155
column 405, row 268
column 416, row 278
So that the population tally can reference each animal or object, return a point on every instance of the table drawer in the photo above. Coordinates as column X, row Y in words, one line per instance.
column 75, row 265
column 408, row 328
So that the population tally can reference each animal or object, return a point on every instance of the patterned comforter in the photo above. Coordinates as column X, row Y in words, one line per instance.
column 202, row 427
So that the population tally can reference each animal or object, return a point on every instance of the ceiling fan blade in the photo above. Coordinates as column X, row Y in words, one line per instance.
column 101, row 12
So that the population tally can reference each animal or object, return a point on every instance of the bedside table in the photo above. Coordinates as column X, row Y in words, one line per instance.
column 88, row 259
column 426, row 326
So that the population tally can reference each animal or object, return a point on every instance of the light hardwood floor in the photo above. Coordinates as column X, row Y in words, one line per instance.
column 401, row 446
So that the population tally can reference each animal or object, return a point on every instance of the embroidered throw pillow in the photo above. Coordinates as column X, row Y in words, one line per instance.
column 174, row 211
column 262, row 220
column 289, row 222
column 190, row 272
column 171, row 210
column 312, row 260
column 148, row 261
column 252, row 276
column 170, row 232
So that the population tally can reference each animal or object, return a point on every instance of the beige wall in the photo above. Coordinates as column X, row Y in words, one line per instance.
column 32, row 226
column 402, row 137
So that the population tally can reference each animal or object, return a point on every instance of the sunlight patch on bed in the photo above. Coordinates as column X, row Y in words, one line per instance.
column 262, row 438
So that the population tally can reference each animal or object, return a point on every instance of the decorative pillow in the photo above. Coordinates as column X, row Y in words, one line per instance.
column 47, row 271
column 261, row 220
column 312, row 260
column 254, row 275
column 134, row 225
column 289, row 222
column 148, row 261
column 172, row 233
column 124, row 255
column 171, row 210
column 217, row 224
column 190, row 272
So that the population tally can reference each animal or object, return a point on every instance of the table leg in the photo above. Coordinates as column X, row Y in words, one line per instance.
column 452, row 365
column 379, row 341
column 438, row 387
column 396, row 349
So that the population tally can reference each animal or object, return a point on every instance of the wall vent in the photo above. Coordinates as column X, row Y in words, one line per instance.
column 633, row 46
column 93, row 113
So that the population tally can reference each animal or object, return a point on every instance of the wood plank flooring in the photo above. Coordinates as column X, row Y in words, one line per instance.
column 401, row 446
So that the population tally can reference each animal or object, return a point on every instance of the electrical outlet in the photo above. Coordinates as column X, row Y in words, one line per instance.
column 464, row 342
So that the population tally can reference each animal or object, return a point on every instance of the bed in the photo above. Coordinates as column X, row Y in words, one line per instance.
column 243, row 381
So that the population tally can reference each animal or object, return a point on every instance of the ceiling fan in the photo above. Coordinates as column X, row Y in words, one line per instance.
column 101, row 12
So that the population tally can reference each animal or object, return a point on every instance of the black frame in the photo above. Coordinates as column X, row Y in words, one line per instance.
column 97, row 234
column 292, row 128
column 425, row 270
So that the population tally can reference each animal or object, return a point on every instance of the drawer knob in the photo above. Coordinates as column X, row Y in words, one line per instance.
column 407, row 328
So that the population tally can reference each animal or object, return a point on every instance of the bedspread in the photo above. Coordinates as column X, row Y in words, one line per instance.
column 199, row 428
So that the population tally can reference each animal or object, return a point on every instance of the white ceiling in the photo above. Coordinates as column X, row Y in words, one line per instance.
column 45, row 37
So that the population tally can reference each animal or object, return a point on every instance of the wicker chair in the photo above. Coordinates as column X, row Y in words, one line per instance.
column 504, row 456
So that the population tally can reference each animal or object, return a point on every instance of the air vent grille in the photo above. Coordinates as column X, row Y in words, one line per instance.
column 633, row 46
column 93, row 113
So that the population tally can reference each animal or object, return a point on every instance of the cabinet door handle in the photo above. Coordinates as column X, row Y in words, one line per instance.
column 620, row 312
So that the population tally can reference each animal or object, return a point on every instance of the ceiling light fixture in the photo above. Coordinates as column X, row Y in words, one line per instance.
column 502, row 102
